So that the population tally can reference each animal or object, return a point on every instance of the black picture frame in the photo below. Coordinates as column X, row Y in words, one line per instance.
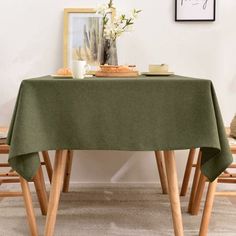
column 194, row 3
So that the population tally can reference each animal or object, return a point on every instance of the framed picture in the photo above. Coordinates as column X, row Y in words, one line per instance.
column 83, row 36
column 195, row 10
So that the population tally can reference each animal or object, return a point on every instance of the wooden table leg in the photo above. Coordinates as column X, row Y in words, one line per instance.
column 187, row 172
column 195, row 182
column 48, row 164
column 173, row 192
column 208, row 208
column 69, row 161
column 29, row 207
column 198, row 195
column 57, row 178
column 161, row 170
column 40, row 187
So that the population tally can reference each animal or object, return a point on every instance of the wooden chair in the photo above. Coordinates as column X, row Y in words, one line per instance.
column 11, row 176
column 199, row 180
column 198, row 189
column 198, row 186
column 225, row 177
column 188, row 169
column 4, row 149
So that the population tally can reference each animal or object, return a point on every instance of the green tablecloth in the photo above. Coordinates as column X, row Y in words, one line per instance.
column 144, row 113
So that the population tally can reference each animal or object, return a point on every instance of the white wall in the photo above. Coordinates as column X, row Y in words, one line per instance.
column 31, row 45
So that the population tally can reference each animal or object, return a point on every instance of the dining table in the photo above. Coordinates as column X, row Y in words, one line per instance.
column 144, row 113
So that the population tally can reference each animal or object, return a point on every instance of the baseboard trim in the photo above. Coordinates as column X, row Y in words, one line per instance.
column 114, row 185
column 90, row 185
column 97, row 185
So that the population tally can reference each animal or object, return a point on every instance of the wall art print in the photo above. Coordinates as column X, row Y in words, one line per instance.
column 195, row 10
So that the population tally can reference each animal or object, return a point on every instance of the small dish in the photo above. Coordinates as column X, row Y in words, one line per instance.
column 62, row 76
column 157, row 73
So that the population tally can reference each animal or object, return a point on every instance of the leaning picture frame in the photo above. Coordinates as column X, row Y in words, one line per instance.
column 195, row 10
column 83, row 36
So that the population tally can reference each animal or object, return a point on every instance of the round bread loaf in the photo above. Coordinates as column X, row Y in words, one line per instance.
column 64, row 71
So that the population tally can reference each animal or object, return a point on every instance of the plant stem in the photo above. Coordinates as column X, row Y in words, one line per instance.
column 110, row 4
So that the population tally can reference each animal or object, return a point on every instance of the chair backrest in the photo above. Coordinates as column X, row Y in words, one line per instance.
column 4, row 148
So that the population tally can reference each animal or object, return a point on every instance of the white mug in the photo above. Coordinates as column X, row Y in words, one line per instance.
column 79, row 69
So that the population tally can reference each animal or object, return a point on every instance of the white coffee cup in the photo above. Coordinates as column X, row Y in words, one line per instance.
column 79, row 69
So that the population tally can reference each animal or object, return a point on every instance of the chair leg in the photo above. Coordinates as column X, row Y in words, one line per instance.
column 48, row 164
column 187, row 172
column 29, row 207
column 41, row 190
column 198, row 195
column 57, row 180
column 69, row 161
column 161, row 170
column 173, row 192
column 208, row 208
column 195, row 182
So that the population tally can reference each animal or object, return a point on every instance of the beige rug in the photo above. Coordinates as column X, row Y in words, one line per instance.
column 116, row 212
